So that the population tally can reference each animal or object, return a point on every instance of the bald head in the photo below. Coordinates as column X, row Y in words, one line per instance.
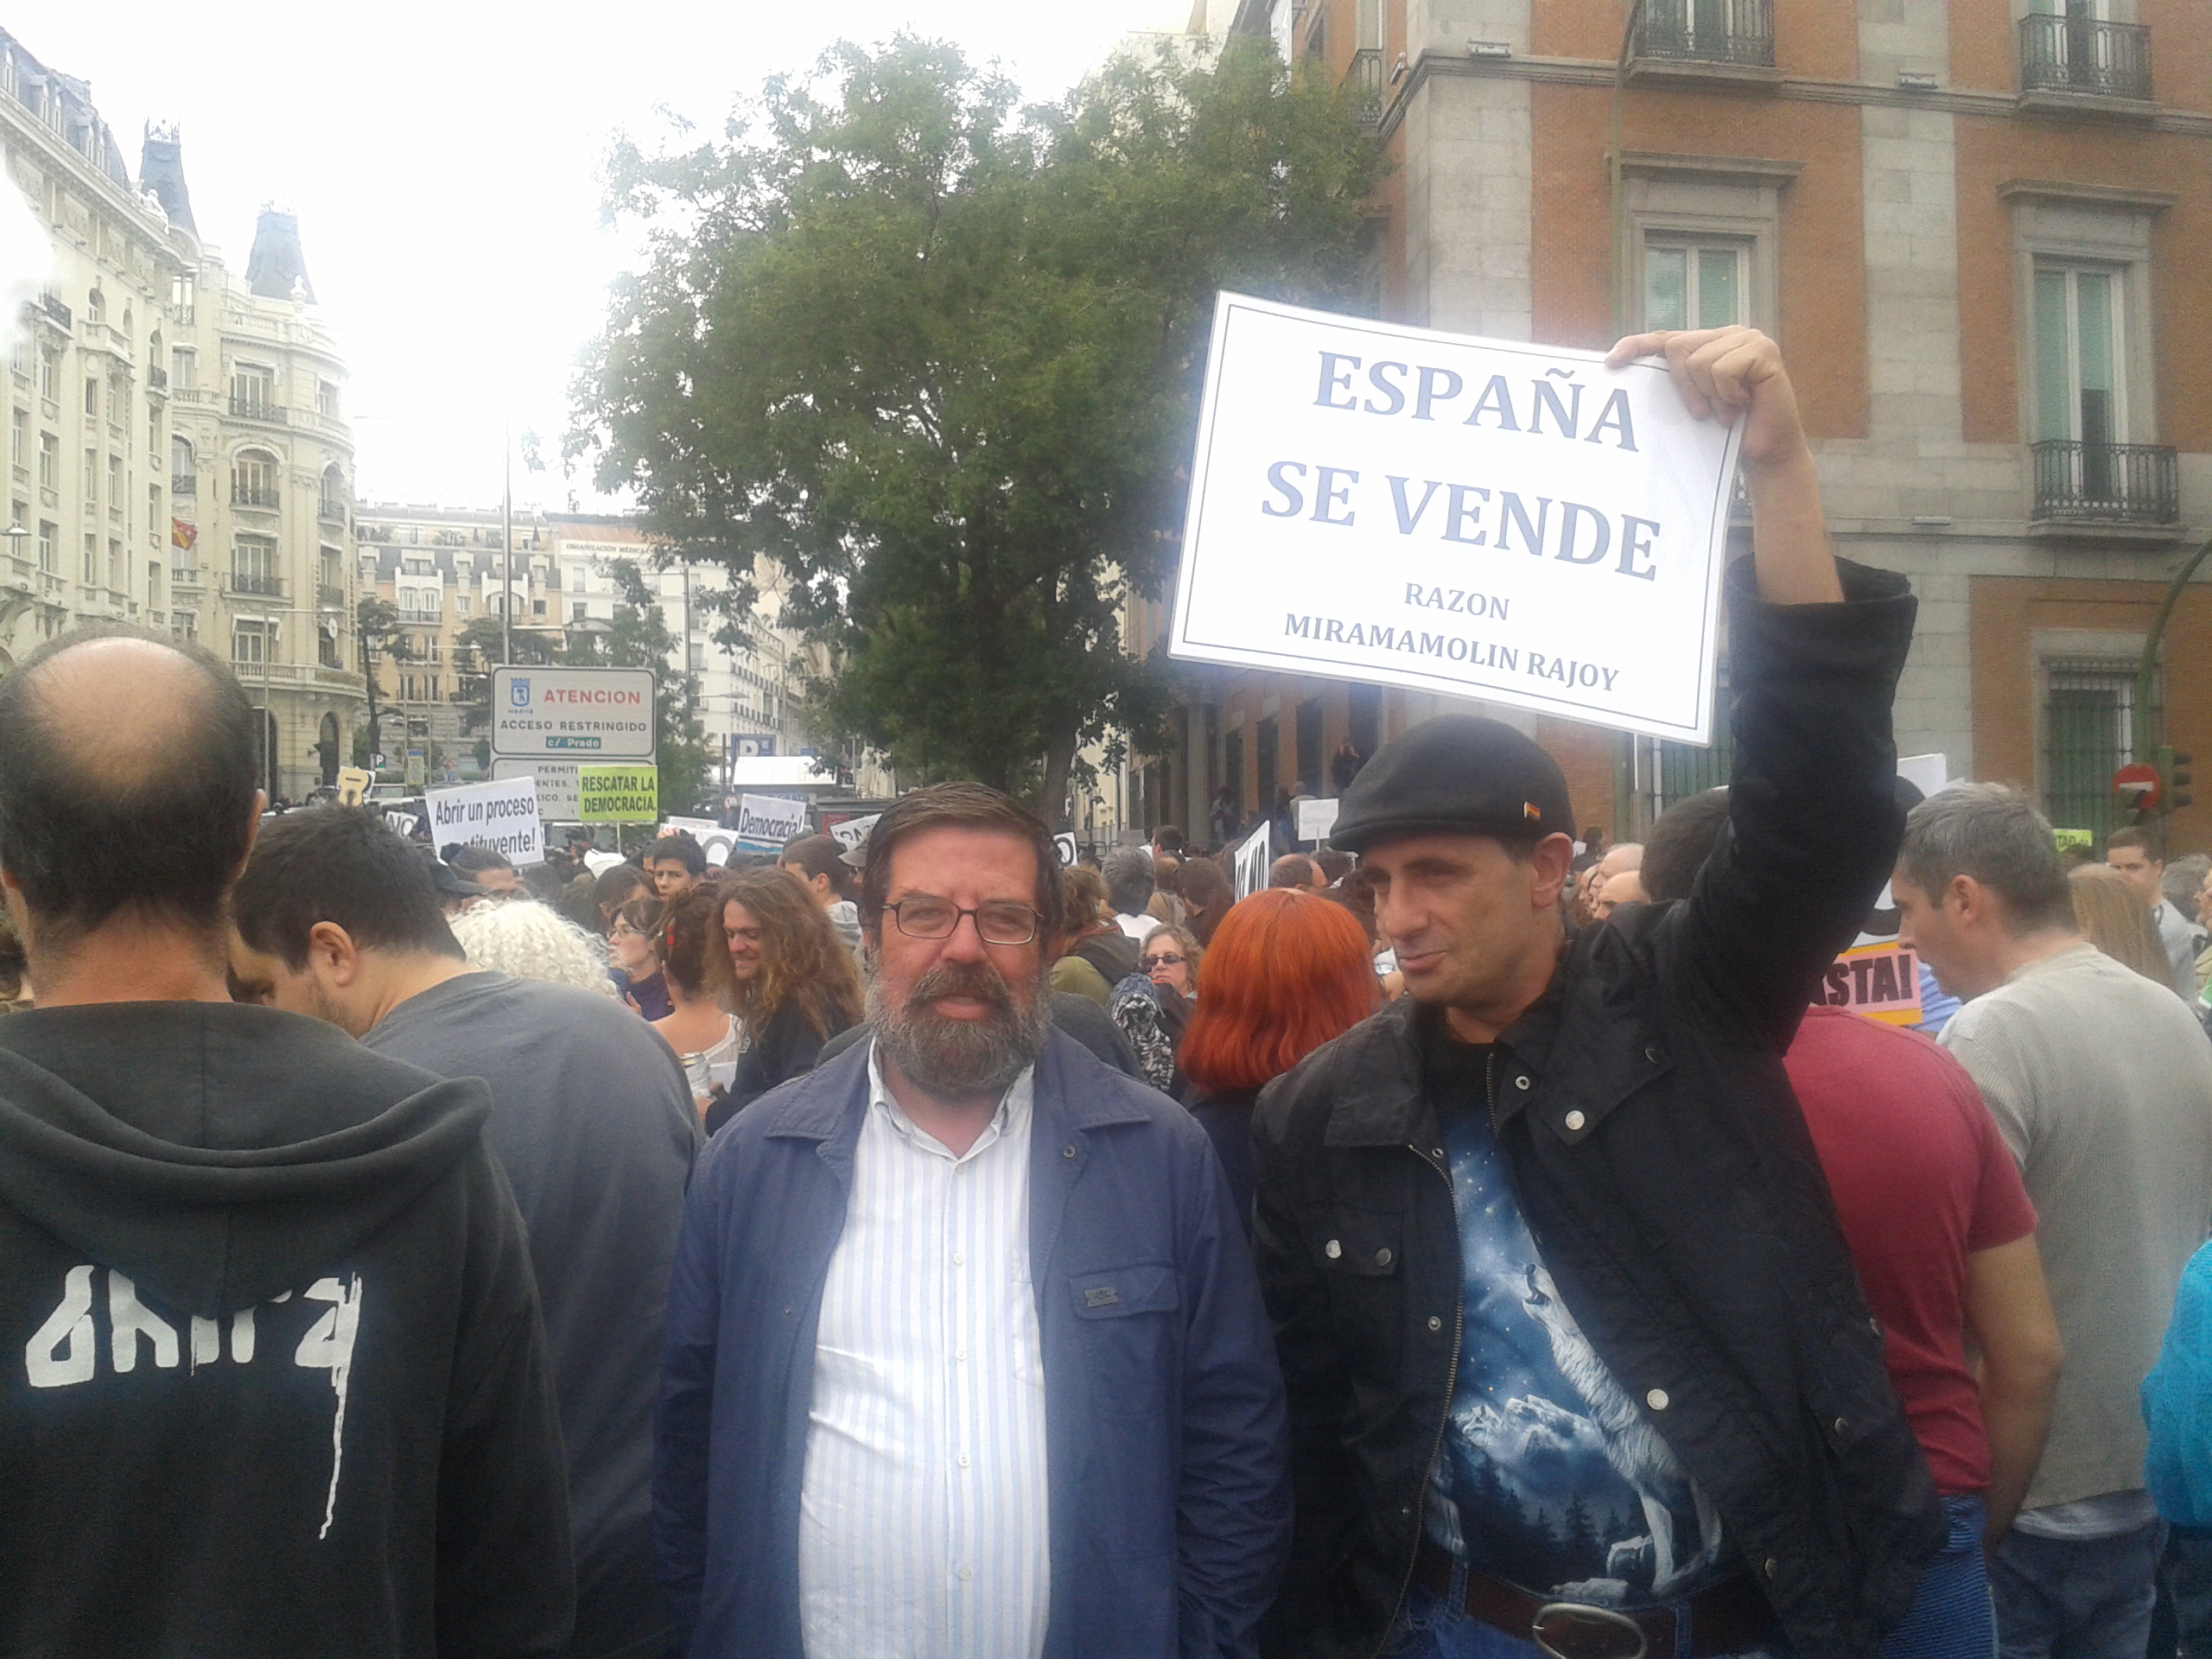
column 128, row 785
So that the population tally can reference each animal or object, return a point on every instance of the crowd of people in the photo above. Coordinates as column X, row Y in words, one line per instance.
column 1481, row 1242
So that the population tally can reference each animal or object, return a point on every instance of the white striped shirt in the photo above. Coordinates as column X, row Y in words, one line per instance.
column 923, row 1527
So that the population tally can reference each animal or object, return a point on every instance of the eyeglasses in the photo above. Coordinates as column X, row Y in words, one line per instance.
column 1166, row 959
column 1001, row 922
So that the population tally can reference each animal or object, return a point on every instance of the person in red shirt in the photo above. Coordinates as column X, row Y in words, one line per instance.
column 1942, row 1233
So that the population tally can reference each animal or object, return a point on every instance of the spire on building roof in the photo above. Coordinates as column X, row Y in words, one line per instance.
column 277, row 269
column 161, row 169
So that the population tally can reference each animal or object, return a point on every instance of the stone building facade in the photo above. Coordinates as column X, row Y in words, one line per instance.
column 179, row 455
column 1977, row 228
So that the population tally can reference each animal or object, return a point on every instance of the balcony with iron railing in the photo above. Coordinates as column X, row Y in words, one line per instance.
column 254, row 584
column 184, row 486
column 2087, row 485
column 2075, row 61
column 330, row 510
column 182, row 576
column 256, row 409
column 330, row 595
column 1705, row 40
column 253, row 495
column 1364, row 84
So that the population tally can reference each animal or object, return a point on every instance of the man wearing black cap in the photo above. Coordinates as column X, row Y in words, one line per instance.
column 1575, row 1353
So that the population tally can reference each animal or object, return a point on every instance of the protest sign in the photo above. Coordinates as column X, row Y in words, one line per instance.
column 716, row 842
column 603, row 714
column 403, row 823
column 1316, row 818
column 618, row 794
column 1882, row 980
column 1484, row 517
column 2071, row 841
column 1252, row 860
column 853, row 832
column 352, row 786
column 1064, row 843
column 766, row 821
column 502, row 815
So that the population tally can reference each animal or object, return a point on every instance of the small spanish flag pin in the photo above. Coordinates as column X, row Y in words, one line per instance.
column 1531, row 811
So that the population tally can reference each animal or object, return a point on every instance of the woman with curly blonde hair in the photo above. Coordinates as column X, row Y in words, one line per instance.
column 785, row 975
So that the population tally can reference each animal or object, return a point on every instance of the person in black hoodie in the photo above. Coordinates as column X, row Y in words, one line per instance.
column 272, row 1376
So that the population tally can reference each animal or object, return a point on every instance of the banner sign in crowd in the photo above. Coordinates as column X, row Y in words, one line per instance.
column 501, row 816
column 765, row 823
column 1486, row 518
column 618, row 794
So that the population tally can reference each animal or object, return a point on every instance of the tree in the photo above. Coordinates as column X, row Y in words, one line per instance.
column 377, row 624
column 939, row 359
column 639, row 637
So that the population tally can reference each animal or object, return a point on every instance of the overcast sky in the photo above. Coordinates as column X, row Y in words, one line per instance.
column 443, row 160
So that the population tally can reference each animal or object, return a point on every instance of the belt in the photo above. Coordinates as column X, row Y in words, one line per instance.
column 1727, row 1619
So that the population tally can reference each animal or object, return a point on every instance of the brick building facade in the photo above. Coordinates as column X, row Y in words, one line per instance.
column 1978, row 229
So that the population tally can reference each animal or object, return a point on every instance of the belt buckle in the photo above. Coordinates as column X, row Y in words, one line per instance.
column 1583, row 1612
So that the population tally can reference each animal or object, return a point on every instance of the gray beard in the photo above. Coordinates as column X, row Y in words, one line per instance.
column 957, row 1060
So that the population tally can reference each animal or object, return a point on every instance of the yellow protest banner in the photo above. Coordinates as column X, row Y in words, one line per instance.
column 618, row 794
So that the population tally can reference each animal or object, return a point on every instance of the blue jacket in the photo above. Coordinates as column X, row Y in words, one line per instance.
column 1163, row 1405
column 2178, row 1406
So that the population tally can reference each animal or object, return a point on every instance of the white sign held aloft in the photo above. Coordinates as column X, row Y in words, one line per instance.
column 1252, row 861
column 853, row 832
column 501, row 815
column 766, row 821
column 1484, row 517
column 716, row 842
column 559, row 796
column 1316, row 818
column 1063, row 844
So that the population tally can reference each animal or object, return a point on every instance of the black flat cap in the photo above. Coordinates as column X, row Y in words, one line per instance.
column 1458, row 775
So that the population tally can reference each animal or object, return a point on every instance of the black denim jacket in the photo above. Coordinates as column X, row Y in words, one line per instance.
column 1666, row 1174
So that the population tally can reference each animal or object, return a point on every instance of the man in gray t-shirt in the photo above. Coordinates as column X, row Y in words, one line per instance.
column 591, row 1122
column 2101, row 1083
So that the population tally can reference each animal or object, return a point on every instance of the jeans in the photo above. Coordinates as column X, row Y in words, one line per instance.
column 1950, row 1616
column 1430, row 1629
column 2076, row 1599
column 2184, row 1621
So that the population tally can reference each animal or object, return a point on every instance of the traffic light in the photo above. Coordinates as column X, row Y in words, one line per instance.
column 2173, row 780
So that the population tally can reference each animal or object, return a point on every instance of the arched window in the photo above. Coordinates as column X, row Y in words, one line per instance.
column 333, row 507
column 184, row 469
column 96, row 306
column 253, row 479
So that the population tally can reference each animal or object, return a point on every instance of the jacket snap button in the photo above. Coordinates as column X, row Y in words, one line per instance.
column 1875, row 1325
column 1521, row 1083
column 1435, row 1324
column 1841, row 1426
column 1382, row 1256
column 1652, row 1055
column 1773, row 1571
column 1657, row 1399
column 1067, row 1152
column 1575, row 1120
column 1332, row 1249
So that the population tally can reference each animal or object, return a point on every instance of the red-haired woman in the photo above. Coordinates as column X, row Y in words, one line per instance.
column 1286, row 972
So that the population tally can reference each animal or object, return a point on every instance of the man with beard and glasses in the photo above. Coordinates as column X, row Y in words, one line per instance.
column 966, row 1355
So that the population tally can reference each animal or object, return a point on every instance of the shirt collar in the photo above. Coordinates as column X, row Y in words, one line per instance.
column 1011, row 1118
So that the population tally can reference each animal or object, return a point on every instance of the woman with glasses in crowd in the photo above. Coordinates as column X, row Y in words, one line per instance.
column 633, row 951
column 1287, row 971
column 787, row 976
column 706, row 1037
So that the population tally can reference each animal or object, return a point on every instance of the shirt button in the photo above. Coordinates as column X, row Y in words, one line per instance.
column 1332, row 1249
column 960, row 1354
column 966, row 1573
column 1575, row 1120
column 959, row 1261
column 964, row 1460
column 1435, row 1324
column 1657, row 1399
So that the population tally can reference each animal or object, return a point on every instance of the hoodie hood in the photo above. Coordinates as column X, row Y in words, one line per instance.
column 217, row 1154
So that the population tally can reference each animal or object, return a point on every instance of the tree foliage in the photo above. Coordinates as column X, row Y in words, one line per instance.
column 938, row 357
column 383, row 637
column 639, row 637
